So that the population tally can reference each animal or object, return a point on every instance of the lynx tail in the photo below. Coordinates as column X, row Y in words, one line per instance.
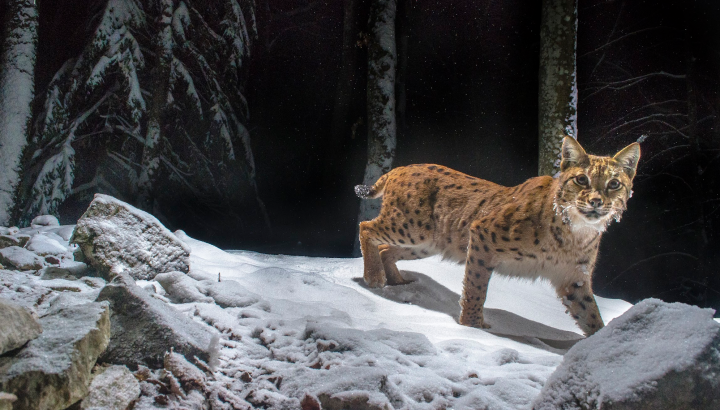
column 371, row 192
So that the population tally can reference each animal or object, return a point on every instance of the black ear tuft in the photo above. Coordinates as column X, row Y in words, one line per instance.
column 572, row 154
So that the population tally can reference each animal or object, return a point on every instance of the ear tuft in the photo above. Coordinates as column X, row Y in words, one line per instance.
column 628, row 157
column 572, row 154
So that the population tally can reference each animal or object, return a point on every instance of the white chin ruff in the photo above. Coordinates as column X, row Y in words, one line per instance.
column 579, row 221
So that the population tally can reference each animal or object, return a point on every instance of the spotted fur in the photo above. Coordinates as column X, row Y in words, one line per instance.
column 543, row 228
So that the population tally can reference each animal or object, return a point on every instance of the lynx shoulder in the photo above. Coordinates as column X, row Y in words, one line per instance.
column 543, row 228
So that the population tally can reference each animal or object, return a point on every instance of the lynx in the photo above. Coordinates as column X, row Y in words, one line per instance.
column 543, row 228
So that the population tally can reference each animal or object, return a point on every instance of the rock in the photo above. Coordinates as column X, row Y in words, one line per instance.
column 144, row 328
column 181, row 288
column 20, row 258
column 112, row 388
column 356, row 400
column 44, row 245
column 6, row 400
column 18, row 326
column 189, row 376
column 9, row 231
column 53, row 260
column 69, row 270
column 9, row 240
column 112, row 233
column 44, row 220
column 656, row 355
column 53, row 371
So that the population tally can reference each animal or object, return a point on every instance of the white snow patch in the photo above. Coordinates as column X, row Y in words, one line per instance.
column 313, row 322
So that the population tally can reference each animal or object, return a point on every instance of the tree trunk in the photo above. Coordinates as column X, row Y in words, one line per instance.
column 156, row 113
column 557, row 115
column 382, row 57
column 380, row 98
column 17, row 85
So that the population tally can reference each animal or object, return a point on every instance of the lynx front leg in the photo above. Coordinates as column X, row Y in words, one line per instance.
column 373, row 272
column 580, row 302
column 475, row 285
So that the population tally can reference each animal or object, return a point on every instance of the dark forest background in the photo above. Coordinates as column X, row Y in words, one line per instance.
column 468, row 99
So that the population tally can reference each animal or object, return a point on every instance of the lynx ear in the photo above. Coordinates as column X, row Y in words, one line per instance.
column 628, row 157
column 572, row 154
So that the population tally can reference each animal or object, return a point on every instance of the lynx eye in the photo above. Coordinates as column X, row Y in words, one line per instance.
column 581, row 180
column 613, row 184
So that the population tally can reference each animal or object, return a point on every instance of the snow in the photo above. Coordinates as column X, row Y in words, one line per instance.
column 314, row 325
column 291, row 326
column 44, row 220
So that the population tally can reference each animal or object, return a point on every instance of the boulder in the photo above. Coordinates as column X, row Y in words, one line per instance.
column 118, row 236
column 20, row 258
column 53, row 371
column 112, row 388
column 144, row 328
column 18, row 326
column 656, row 355
column 44, row 220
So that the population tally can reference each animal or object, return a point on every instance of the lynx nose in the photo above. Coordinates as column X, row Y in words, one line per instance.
column 596, row 202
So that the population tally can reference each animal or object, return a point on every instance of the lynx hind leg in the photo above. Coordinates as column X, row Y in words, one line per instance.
column 390, row 255
column 580, row 302
column 475, row 285
column 370, row 239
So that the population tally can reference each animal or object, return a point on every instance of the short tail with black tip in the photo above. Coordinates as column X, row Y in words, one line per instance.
column 372, row 192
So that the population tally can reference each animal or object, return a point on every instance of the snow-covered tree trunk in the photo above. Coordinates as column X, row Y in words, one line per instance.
column 17, row 85
column 557, row 115
column 382, row 57
column 160, row 84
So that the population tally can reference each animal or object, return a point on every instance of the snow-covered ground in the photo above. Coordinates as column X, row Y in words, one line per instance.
column 294, row 325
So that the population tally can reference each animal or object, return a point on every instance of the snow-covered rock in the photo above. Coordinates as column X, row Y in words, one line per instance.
column 116, row 235
column 181, row 288
column 53, row 371
column 230, row 293
column 44, row 220
column 144, row 328
column 18, row 326
column 44, row 245
column 20, row 258
column 13, row 240
column 655, row 356
column 112, row 388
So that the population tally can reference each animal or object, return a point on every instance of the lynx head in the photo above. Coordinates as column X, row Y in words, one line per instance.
column 594, row 190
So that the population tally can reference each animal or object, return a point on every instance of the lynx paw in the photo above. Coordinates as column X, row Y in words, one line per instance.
column 376, row 281
column 402, row 281
column 474, row 322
